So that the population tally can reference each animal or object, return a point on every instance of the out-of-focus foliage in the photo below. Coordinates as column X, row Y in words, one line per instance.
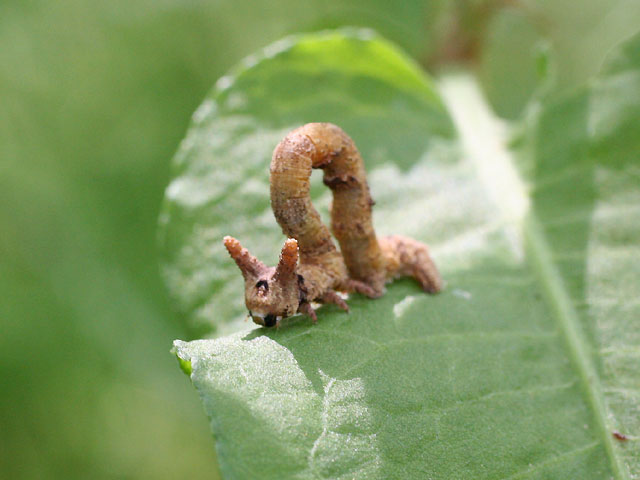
column 579, row 35
column 94, row 98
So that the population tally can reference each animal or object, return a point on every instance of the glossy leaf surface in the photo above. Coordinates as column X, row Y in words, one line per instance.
column 521, row 368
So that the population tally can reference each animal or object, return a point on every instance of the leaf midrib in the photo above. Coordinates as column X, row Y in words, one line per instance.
column 482, row 136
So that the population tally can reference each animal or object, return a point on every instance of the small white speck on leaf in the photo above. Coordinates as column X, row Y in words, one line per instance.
column 462, row 293
column 401, row 307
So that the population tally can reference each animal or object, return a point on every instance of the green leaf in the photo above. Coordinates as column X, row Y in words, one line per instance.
column 221, row 184
column 587, row 212
column 526, row 363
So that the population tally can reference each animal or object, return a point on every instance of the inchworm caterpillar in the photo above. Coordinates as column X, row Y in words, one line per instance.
column 364, row 262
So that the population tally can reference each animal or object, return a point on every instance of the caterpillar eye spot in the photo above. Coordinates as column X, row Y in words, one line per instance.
column 269, row 320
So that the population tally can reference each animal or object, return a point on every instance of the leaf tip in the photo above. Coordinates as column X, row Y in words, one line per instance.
column 184, row 363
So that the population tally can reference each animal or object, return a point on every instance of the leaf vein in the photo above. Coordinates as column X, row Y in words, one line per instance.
column 553, row 461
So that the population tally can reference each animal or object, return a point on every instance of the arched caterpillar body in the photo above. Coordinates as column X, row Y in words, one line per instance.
column 364, row 263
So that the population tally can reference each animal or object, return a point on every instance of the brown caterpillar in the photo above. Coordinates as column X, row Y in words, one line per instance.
column 365, row 262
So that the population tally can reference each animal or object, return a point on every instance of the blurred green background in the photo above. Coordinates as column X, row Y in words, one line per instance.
column 94, row 99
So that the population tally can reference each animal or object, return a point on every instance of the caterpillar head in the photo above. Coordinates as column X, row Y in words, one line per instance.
column 270, row 293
